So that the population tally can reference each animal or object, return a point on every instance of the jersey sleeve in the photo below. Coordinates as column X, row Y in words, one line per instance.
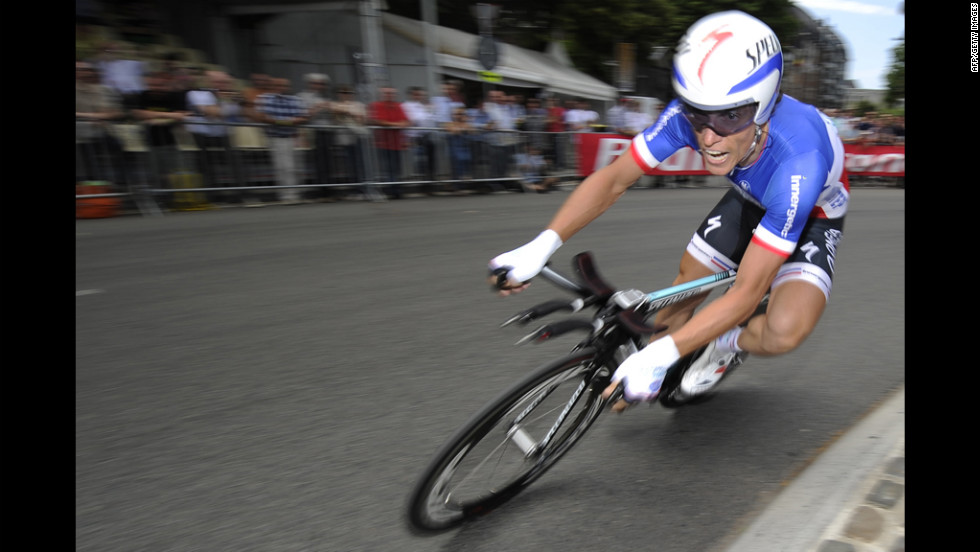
column 662, row 139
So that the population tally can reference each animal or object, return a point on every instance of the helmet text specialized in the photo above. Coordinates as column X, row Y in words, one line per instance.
column 764, row 49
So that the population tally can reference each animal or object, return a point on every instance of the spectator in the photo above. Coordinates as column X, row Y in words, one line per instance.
column 867, row 128
column 893, row 130
column 590, row 117
column 389, row 140
column 534, row 170
column 478, row 116
column 845, row 124
column 121, row 71
column 428, row 142
column 535, row 124
column 316, row 100
column 182, row 78
column 459, row 135
column 578, row 119
column 480, row 120
column 616, row 116
column 351, row 115
column 635, row 119
column 450, row 99
column 97, row 107
column 573, row 116
column 160, row 109
column 518, row 109
column 185, row 78
column 555, row 151
column 421, row 115
column 282, row 112
column 502, row 137
column 216, row 102
column 259, row 84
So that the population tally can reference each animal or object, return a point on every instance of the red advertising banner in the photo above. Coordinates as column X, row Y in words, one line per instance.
column 596, row 150
column 874, row 160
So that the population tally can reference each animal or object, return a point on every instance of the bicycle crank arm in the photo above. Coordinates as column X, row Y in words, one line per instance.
column 544, row 309
column 556, row 329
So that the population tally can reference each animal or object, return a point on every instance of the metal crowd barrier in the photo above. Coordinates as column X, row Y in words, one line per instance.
column 194, row 174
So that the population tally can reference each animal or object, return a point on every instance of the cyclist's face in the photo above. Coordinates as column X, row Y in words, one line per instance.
column 722, row 153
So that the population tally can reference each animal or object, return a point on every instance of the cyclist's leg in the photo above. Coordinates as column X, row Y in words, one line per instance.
column 677, row 314
column 794, row 310
column 799, row 293
column 718, row 245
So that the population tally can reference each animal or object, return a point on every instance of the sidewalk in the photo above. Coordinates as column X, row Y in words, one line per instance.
column 851, row 499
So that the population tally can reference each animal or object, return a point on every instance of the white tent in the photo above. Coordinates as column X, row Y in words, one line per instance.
column 454, row 54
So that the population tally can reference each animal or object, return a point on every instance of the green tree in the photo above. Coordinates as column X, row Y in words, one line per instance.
column 591, row 30
column 895, row 91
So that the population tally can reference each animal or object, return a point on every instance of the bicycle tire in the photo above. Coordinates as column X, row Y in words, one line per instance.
column 440, row 501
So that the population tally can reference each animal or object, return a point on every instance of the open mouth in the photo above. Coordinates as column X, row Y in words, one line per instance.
column 714, row 157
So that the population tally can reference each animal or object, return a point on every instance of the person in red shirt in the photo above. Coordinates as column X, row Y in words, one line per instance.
column 389, row 141
column 555, row 126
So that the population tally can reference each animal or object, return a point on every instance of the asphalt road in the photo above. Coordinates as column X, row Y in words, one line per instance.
column 275, row 379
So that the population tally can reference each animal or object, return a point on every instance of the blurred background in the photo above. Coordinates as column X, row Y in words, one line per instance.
column 570, row 48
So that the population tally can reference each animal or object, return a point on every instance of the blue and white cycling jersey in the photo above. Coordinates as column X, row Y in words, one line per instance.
column 799, row 174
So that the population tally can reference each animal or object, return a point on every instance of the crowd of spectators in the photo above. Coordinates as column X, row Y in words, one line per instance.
column 871, row 128
column 325, row 134
column 315, row 135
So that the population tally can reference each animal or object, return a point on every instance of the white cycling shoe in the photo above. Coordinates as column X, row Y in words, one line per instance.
column 707, row 370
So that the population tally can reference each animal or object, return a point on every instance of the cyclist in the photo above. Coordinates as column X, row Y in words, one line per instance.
column 780, row 223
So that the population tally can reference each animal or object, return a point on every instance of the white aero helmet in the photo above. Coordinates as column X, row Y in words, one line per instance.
column 726, row 60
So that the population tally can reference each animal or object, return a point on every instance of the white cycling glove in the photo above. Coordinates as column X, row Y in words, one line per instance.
column 527, row 260
column 642, row 373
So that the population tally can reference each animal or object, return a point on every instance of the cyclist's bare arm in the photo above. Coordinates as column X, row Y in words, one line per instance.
column 589, row 200
column 755, row 274
column 595, row 195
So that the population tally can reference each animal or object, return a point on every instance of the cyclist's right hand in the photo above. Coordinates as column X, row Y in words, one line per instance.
column 523, row 263
column 642, row 373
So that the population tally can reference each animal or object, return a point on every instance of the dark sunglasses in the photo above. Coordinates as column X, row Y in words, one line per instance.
column 723, row 122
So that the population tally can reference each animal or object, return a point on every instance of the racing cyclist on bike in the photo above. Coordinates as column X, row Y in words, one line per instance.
column 779, row 224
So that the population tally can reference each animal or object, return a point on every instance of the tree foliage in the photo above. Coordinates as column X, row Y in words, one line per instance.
column 896, row 76
column 590, row 31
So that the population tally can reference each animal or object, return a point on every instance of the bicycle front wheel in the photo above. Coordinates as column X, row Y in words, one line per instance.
column 510, row 443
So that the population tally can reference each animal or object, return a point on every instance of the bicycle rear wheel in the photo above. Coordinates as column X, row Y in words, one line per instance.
column 510, row 443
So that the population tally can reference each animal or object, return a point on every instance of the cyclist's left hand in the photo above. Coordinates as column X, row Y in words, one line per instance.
column 642, row 374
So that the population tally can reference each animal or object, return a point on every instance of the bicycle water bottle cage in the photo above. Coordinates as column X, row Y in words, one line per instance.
column 584, row 266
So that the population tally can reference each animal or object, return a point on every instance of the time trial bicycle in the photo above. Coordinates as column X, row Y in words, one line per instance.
column 522, row 433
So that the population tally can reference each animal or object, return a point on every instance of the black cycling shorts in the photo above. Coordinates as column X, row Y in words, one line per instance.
column 725, row 233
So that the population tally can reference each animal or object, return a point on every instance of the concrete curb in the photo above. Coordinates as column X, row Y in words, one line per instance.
column 851, row 499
